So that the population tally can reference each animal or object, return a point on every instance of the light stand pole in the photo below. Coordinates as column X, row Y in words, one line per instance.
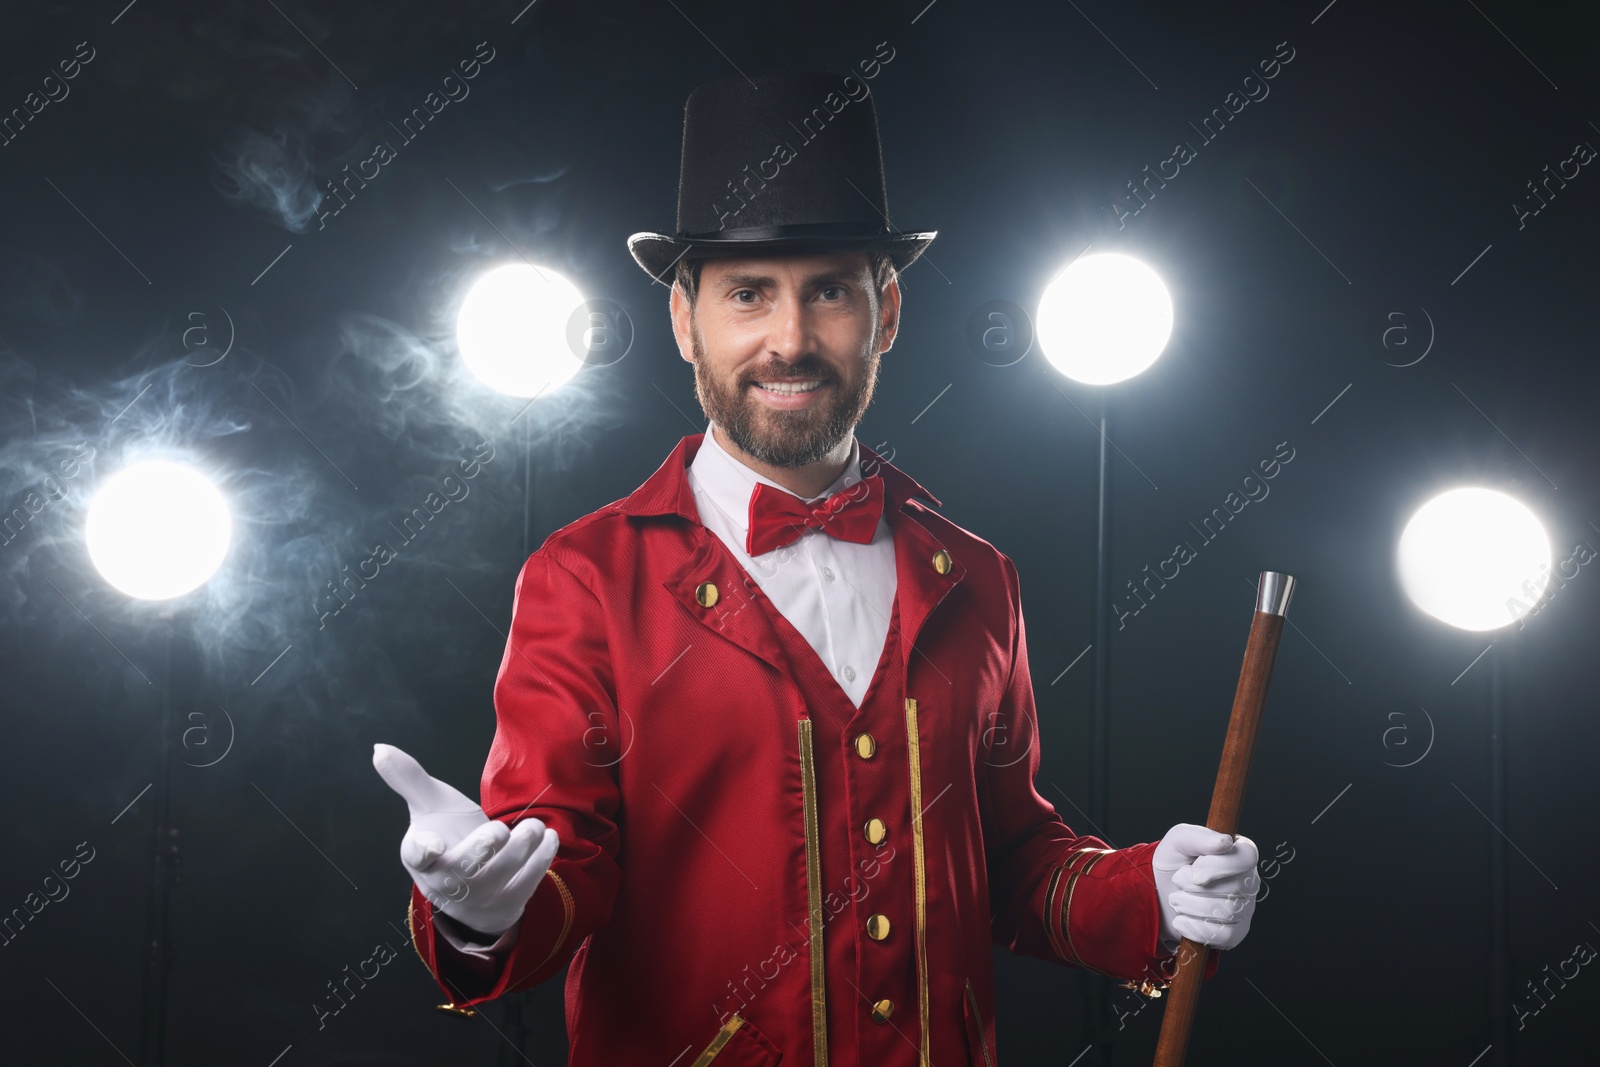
column 157, row 942
column 514, row 1049
column 1099, row 713
column 1500, row 1031
column 1100, row 719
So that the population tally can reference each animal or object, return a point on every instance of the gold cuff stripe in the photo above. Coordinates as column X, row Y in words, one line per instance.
column 913, row 749
column 411, row 928
column 1050, row 913
column 819, row 1003
column 1066, row 912
column 1053, row 926
column 568, row 908
column 566, row 927
column 722, row 1038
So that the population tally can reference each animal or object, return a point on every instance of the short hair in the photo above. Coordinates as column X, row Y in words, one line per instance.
column 687, row 274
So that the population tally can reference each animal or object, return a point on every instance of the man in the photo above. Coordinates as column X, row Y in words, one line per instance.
column 745, row 777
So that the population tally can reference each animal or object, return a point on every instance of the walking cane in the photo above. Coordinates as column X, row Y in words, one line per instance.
column 1272, row 604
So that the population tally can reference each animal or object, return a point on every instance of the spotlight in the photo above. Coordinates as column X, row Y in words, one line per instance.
column 512, row 329
column 1475, row 558
column 1104, row 318
column 157, row 530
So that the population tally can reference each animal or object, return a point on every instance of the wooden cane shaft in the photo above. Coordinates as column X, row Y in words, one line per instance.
column 1248, row 700
column 1183, row 1001
column 1183, row 995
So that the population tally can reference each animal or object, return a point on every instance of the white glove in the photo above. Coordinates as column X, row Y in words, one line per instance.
column 1206, row 883
column 469, row 866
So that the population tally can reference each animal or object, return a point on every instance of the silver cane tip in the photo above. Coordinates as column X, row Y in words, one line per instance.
column 1273, row 592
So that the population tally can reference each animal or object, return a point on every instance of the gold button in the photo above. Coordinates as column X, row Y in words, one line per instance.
column 941, row 562
column 876, row 831
column 882, row 1010
column 877, row 927
column 705, row 594
column 865, row 746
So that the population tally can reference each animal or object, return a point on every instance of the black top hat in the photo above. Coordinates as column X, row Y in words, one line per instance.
column 786, row 162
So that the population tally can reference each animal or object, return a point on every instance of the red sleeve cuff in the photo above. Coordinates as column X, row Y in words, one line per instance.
column 541, row 949
column 1102, row 915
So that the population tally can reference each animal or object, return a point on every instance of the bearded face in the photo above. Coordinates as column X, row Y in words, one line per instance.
column 786, row 352
column 788, row 414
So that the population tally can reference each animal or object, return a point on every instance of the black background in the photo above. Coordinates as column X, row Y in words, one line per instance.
column 1397, row 140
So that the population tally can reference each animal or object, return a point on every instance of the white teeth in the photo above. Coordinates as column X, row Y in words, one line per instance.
column 789, row 388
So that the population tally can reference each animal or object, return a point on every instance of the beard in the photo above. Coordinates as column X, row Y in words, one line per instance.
column 794, row 438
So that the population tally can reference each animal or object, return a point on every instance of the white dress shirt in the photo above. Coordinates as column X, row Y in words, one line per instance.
column 838, row 594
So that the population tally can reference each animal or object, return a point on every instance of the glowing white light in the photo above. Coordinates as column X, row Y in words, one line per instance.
column 1104, row 318
column 1475, row 558
column 512, row 330
column 157, row 530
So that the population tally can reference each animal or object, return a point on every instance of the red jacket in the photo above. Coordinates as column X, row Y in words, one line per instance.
column 719, row 889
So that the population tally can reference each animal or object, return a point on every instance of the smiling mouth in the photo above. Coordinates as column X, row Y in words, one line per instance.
column 789, row 388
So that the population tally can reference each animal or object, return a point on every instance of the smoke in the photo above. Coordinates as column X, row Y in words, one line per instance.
column 500, row 185
column 271, row 154
column 273, row 172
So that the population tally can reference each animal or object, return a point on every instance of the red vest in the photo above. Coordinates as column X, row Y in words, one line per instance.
column 870, row 935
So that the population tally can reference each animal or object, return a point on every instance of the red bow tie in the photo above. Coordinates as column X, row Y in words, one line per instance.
column 778, row 518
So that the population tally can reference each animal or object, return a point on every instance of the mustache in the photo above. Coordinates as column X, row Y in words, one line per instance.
column 792, row 374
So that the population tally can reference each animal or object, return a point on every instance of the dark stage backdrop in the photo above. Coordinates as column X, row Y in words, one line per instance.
column 1376, row 280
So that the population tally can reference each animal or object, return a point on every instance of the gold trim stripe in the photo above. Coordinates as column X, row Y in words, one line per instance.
column 722, row 1038
column 819, row 1003
column 913, row 749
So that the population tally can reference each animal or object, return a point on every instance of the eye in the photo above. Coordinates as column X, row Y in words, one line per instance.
column 739, row 293
column 839, row 290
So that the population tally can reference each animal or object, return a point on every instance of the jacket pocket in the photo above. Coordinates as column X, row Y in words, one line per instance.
column 977, row 1036
column 738, row 1044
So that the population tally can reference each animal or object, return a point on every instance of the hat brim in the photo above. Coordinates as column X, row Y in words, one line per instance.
column 658, row 253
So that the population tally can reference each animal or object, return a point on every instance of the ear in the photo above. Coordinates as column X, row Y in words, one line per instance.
column 889, row 314
column 682, row 324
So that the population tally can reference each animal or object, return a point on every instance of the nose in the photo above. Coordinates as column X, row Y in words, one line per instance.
column 790, row 337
